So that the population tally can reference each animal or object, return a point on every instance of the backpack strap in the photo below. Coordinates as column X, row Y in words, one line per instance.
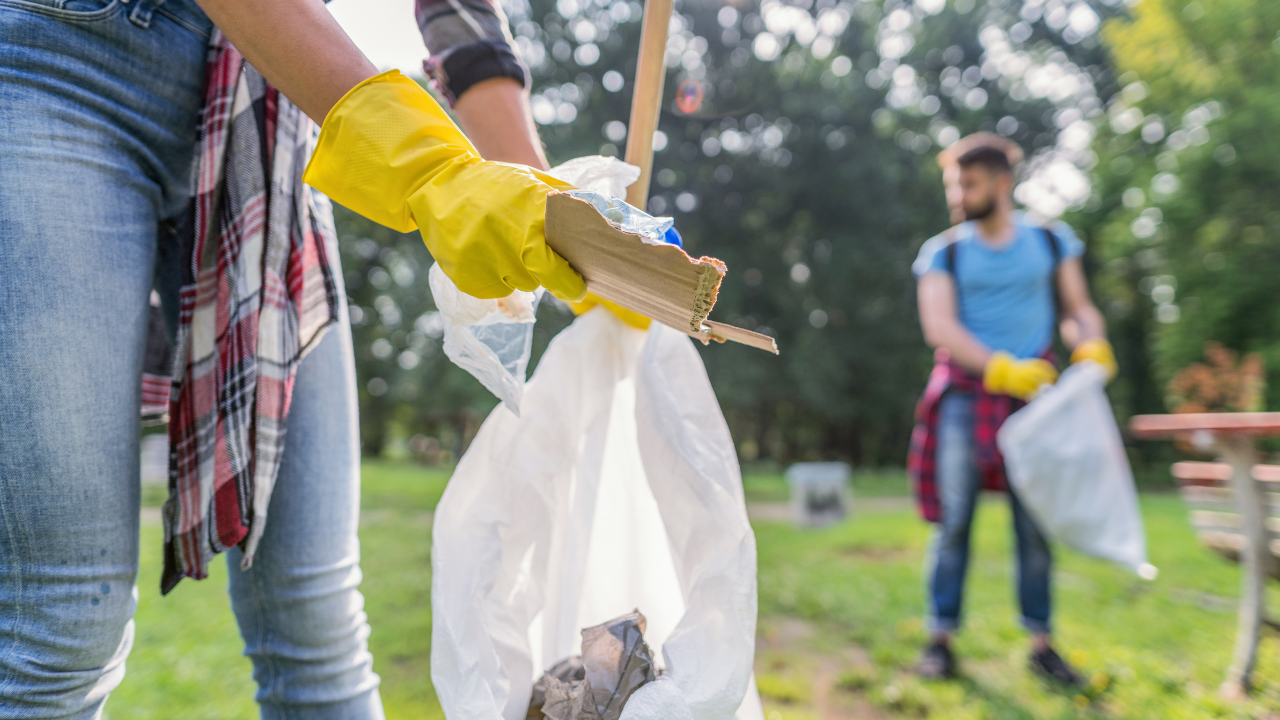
column 1055, row 251
column 1055, row 246
column 949, row 262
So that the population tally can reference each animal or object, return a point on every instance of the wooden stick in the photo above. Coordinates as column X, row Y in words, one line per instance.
column 646, row 101
column 1255, row 562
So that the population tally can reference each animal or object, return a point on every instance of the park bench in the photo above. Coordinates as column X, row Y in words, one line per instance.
column 1235, row 507
column 1206, row 488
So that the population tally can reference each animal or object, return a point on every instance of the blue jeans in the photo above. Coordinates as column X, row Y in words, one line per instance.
column 959, row 485
column 99, row 101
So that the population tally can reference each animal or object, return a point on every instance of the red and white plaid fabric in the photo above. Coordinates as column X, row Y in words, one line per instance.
column 989, row 413
column 257, row 294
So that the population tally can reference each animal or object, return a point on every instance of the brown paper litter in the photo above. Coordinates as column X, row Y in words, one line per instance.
column 661, row 282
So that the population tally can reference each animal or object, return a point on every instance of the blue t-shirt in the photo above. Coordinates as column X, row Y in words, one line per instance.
column 1005, row 295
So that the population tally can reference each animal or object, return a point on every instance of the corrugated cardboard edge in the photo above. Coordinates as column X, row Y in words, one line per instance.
column 658, row 281
column 711, row 273
column 661, row 282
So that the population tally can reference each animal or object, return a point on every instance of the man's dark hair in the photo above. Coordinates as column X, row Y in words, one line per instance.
column 993, row 159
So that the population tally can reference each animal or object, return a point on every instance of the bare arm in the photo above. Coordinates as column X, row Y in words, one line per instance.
column 1080, row 317
column 495, row 114
column 297, row 46
column 936, row 295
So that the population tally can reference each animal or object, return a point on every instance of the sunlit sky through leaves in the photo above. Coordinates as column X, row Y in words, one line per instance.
column 385, row 30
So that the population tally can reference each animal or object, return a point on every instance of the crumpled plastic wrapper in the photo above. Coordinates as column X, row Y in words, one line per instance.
column 615, row 662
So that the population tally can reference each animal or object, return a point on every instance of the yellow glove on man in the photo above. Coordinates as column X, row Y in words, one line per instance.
column 1007, row 375
column 1099, row 351
column 388, row 151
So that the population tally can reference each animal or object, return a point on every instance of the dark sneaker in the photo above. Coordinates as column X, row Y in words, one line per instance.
column 937, row 662
column 1049, row 664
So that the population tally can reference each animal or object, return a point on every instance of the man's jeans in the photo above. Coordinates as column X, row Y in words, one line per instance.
column 99, row 101
column 959, row 484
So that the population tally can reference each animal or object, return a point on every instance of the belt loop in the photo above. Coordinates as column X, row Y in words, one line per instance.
column 142, row 11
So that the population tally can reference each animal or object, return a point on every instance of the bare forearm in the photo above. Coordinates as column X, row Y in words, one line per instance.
column 495, row 115
column 964, row 348
column 297, row 46
column 942, row 326
column 1090, row 323
column 1081, row 320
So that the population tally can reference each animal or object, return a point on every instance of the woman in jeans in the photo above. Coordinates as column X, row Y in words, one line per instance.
column 99, row 105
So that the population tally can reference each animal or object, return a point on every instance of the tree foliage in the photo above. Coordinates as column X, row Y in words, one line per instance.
column 1186, row 222
column 808, row 168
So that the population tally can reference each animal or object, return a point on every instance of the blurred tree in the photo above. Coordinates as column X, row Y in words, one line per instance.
column 407, row 385
column 807, row 166
column 1184, row 215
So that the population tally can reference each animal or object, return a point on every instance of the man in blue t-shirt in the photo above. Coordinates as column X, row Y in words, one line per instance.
column 991, row 291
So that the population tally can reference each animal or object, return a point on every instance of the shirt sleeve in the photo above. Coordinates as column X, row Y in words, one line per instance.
column 1072, row 246
column 931, row 257
column 469, row 43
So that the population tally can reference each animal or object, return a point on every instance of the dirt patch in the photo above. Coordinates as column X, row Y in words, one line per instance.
column 833, row 702
column 782, row 633
column 769, row 511
column 873, row 553
column 797, row 679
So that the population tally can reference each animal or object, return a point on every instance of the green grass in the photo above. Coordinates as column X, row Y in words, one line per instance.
column 1155, row 650
column 839, row 621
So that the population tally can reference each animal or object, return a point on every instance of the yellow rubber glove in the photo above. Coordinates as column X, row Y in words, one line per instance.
column 1007, row 375
column 630, row 317
column 388, row 151
column 1099, row 351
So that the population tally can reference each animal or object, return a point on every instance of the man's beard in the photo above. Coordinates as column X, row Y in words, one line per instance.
column 982, row 212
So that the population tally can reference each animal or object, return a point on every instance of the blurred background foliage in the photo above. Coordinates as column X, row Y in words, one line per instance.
column 798, row 144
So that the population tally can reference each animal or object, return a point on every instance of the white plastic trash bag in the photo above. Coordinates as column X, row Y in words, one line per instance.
column 491, row 339
column 1067, row 465
column 616, row 488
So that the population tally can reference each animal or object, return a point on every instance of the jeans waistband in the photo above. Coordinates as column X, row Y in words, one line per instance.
column 183, row 12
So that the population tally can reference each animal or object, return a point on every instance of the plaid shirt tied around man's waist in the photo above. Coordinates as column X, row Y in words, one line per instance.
column 258, row 291
column 989, row 413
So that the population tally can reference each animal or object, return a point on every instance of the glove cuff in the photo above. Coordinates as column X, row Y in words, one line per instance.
column 381, row 142
column 1092, row 350
column 995, row 376
column 1099, row 351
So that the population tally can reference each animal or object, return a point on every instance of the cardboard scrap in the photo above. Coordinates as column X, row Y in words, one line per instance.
column 661, row 282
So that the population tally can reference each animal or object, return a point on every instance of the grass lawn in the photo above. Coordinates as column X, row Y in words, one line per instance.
column 839, row 621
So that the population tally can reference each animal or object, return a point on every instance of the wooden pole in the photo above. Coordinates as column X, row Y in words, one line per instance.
column 1255, row 561
column 646, row 101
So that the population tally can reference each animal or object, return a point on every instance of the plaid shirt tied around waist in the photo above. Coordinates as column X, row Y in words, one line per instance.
column 989, row 413
column 258, row 291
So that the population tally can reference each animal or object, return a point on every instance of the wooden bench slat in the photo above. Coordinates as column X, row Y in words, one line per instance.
column 1156, row 426
column 1214, row 473
column 1213, row 520
column 1206, row 495
column 1216, row 519
column 1266, row 473
column 1202, row 472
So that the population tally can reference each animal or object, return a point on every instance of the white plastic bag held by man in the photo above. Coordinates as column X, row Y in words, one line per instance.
column 1066, row 462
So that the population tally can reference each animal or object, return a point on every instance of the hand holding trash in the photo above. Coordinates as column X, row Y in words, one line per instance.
column 1099, row 351
column 492, row 338
column 389, row 152
column 1007, row 375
